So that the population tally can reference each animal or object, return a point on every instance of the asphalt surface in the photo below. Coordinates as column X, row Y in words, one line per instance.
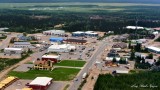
column 91, row 61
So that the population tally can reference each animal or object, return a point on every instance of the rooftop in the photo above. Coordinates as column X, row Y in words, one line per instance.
column 50, row 56
column 154, row 48
column 26, row 43
column 76, row 40
column 13, row 49
column 42, row 81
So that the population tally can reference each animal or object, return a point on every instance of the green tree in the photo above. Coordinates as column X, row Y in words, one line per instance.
column 150, row 56
column 114, row 60
column 132, row 57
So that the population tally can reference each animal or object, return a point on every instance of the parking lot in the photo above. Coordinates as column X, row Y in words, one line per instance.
column 18, row 85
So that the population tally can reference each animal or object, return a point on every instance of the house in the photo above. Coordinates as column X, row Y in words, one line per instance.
column 54, row 58
column 75, row 41
column 13, row 50
column 60, row 48
column 121, row 45
column 153, row 49
column 41, row 83
column 43, row 64
column 22, row 44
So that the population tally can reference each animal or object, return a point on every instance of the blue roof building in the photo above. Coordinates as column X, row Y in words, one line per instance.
column 56, row 39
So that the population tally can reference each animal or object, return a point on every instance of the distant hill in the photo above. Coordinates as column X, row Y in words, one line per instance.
column 115, row 1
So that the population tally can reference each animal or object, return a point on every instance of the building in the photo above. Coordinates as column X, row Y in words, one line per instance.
column 75, row 41
column 43, row 64
column 13, row 50
column 134, row 27
column 121, row 45
column 22, row 44
column 78, row 34
column 54, row 32
column 112, row 54
column 121, row 71
column 60, row 48
column 54, row 58
column 40, row 83
column 56, row 39
column 153, row 49
column 91, row 34
column 150, row 61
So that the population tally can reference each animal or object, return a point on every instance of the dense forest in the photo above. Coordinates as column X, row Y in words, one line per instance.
column 33, row 21
column 135, row 81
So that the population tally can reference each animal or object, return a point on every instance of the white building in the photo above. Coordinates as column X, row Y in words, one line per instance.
column 54, row 32
column 22, row 44
column 122, row 71
column 60, row 48
column 111, row 58
column 134, row 27
column 91, row 33
column 154, row 49
column 13, row 50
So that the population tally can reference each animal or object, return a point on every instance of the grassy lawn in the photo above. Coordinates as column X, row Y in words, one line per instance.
column 72, row 63
column 58, row 74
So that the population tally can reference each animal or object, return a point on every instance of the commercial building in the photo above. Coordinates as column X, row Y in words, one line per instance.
column 40, row 83
column 43, row 64
column 56, row 39
column 54, row 32
column 78, row 34
column 60, row 48
column 75, row 41
column 54, row 58
column 121, row 45
column 22, row 44
column 153, row 49
column 134, row 27
column 91, row 34
column 13, row 50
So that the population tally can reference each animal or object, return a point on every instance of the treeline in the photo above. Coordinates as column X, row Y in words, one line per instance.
column 26, row 21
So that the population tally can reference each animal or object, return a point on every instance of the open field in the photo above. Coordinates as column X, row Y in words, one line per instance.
column 135, row 81
column 78, row 7
column 72, row 63
column 58, row 74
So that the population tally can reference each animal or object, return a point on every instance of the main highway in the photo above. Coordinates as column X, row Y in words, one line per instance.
column 78, row 79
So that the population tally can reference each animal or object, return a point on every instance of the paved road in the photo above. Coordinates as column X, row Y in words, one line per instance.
column 76, row 84
column 6, row 41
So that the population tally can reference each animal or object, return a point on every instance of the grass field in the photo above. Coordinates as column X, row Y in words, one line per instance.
column 72, row 63
column 58, row 74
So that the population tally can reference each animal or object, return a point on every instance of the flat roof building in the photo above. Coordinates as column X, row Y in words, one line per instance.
column 54, row 32
column 56, row 39
column 22, row 44
column 60, row 48
column 78, row 34
column 153, row 49
column 75, row 41
column 40, row 83
column 13, row 50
